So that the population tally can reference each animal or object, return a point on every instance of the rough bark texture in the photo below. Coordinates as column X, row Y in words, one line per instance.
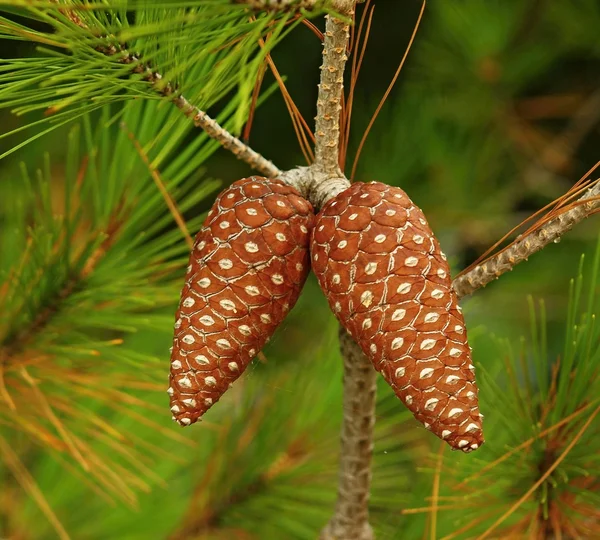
column 227, row 141
column 329, row 102
column 351, row 519
column 520, row 251
column 283, row 5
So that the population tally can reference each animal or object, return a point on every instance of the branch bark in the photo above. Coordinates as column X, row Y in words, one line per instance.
column 283, row 5
column 506, row 260
column 329, row 101
column 351, row 518
column 321, row 182
column 212, row 128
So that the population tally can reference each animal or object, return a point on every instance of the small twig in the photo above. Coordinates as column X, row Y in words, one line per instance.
column 212, row 128
column 521, row 250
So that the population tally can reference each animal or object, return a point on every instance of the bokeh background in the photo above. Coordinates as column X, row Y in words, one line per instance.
column 496, row 114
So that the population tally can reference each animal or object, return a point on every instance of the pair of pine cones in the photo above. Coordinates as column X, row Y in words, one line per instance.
column 384, row 276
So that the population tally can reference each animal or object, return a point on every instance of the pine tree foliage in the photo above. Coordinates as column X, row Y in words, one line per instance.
column 88, row 55
column 92, row 257
column 89, row 255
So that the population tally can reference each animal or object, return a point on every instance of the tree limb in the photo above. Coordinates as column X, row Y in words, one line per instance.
column 351, row 518
column 240, row 150
column 521, row 250
column 329, row 101
column 282, row 5
column 321, row 182
column 212, row 128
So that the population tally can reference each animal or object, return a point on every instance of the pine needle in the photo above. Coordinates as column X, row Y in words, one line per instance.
column 526, row 444
column 387, row 92
column 255, row 93
column 171, row 205
column 436, row 491
column 47, row 410
column 357, row 62
column 553, row 209
column 301, row 128
column 22, row 475
column 542, row 479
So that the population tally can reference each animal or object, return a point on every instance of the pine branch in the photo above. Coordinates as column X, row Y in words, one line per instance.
column 281, row 5
column 60, row 81
column 521, row 250
column 351, row 519
column 18, row 342
column 239, row 149
column 351, row 516
column 329, row 102
column 199, row 117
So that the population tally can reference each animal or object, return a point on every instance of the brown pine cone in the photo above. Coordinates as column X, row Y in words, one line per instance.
column 247, row 268
column 387, row 281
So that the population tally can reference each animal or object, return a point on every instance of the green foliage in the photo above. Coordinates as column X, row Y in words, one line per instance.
column 91, row 262
column 89, row 255
column 87, row 57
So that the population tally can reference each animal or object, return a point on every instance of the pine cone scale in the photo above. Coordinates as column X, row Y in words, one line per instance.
column 246, row 271
column 388, row 283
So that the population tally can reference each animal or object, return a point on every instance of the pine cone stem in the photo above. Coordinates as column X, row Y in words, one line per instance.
column 351, row 518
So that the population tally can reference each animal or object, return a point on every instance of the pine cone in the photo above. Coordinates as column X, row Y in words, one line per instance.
column 389, row 285
column 247, row 268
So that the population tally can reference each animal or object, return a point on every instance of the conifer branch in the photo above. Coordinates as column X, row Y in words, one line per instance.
column 351, row 519
column 212, row 128
column 284, row 5
column 164, row 88
column 522, row 249
column 323, row 181
column 329, row 101
column 18, row 342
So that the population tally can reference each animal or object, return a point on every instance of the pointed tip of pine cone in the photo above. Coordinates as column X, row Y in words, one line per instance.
column 468, row 443
column 184, row 419
column 462, row 429
column 185, row 411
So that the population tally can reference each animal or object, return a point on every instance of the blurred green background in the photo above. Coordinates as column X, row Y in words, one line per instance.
column 496, row 114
